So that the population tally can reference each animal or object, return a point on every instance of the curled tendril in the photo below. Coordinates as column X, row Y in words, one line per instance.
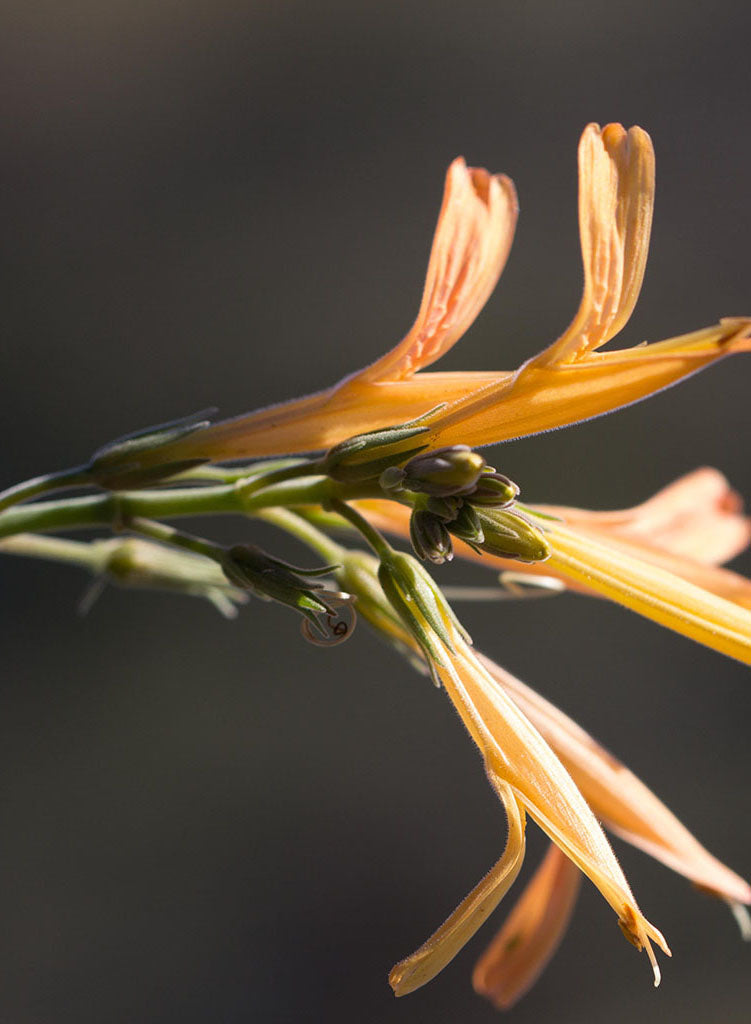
column 334, row 627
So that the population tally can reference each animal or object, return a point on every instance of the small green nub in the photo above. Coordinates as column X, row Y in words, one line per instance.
column 494, row 490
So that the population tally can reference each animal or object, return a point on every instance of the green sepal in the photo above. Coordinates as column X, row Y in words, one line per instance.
column 366, row 456
column 121, row 464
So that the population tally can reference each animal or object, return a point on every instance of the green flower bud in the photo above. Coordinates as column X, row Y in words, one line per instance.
column 250, row 568
column 366, row 456
column 430, row 538
column 511, row 535
column 418, row 602
column 444, row 471
column 495, row 491
column 445, row 508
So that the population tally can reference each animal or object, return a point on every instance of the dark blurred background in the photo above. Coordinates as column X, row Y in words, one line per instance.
column 230, row 203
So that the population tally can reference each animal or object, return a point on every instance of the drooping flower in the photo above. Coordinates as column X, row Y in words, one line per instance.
column 523, row 770
column 539, row 762
column 567, row 382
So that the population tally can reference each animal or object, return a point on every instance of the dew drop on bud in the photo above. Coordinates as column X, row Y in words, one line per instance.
column 334, row 627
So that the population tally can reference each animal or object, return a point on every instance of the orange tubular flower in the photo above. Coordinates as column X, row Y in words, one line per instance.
column 540, row 763
column 528, row 777
column 568, row 382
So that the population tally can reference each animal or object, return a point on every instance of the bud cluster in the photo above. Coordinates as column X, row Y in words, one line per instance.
column 455, row 492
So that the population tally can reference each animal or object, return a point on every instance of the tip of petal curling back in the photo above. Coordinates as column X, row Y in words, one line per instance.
column 742, row 917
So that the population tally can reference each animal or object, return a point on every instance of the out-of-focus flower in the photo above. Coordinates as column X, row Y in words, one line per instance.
column 569, row 381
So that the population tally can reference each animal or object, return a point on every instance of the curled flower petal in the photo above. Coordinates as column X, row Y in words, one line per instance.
column 616, row 198
column 531, row 934
column 472, row 242
column 619, row 799
column 423, row 965
column 567, row 382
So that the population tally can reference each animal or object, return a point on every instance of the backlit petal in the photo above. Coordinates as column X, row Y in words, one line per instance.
column 619, row 799
column 616, row 198
column 648, row 589
column 540, row 397
column 515, row 751
column 698, row 516
column 531, row 934
column 472, row 241
column 423, row 965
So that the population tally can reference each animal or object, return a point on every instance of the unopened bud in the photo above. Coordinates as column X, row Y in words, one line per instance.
column 430, row 538
column 495, row 490
column 366, row 456
column 511, row 535
column 132, row 461
column 444, row 471
column 250, row 568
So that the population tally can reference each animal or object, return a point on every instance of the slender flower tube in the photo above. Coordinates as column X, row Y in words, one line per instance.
column 569, row 381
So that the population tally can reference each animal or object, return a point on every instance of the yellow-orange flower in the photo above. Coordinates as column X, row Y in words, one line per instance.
column 657, row 559
column 569, row 381
column 540, row 763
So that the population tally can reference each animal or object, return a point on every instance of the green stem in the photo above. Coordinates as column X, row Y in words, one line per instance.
column 169, row 535
column 41, row 484
column 304, row 531
column 378, row 543
column 86, row 554
column 231, row 475
column 116, row 508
